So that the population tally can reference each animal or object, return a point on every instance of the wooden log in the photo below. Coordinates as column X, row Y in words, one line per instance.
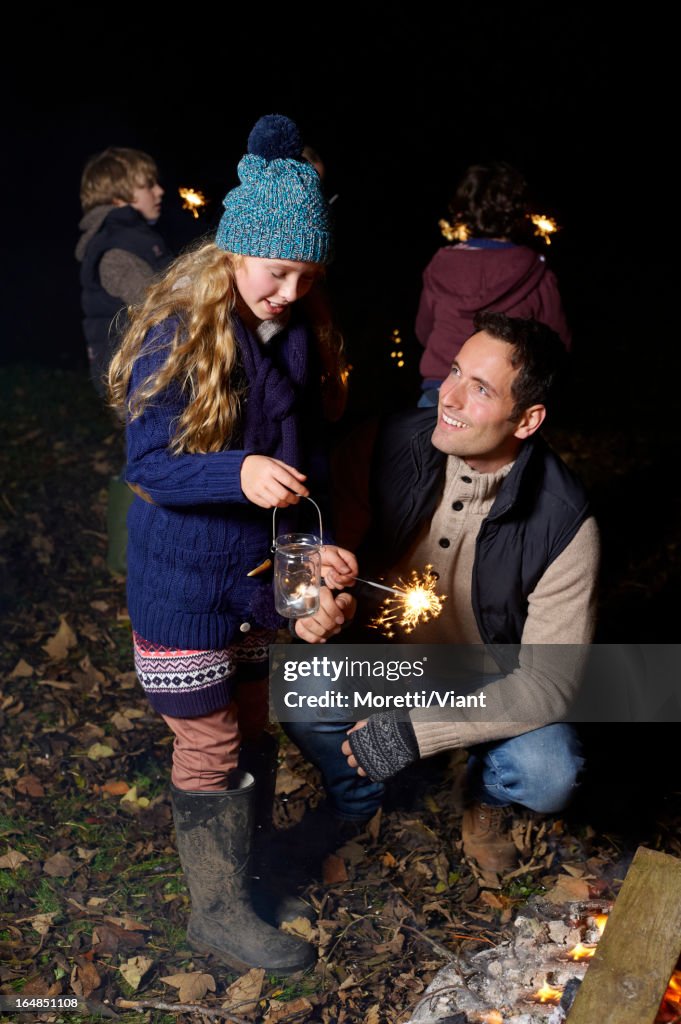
column 636, row 956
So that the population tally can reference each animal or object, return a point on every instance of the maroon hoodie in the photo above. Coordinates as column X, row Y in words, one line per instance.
column 461, row 280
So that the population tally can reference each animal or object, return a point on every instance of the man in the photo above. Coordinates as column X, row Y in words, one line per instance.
column 477, row 494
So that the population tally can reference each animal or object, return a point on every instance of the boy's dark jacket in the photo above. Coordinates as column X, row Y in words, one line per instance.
column 121, row 228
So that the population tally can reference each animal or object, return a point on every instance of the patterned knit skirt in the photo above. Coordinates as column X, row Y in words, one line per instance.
column 186, row 684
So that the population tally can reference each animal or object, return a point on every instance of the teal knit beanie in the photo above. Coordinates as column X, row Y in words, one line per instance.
column 278, row 210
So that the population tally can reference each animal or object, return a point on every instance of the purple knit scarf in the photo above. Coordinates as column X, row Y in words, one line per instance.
column 269, row 416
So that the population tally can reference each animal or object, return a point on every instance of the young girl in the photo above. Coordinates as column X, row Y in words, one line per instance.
column 223, row 382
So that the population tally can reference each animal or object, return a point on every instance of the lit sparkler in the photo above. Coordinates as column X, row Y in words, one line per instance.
column 544, row 226
column 193, row 200
column 456, row 232
column 412, row 602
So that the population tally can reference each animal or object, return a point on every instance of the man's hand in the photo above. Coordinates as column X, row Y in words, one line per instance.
column 327, row 621
column 339, row 567
column 347, row 750
column 271, row 483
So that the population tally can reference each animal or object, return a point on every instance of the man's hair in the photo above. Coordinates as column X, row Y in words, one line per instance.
column 538, row 354
column 491, row 200
column 115, row 173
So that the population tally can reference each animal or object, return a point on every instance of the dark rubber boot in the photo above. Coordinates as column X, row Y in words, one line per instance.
column 214, row 832
column 259, row 759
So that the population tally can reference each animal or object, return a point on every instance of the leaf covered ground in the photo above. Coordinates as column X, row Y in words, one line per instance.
column 92, row 900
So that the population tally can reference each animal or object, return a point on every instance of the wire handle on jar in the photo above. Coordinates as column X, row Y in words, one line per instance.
column 274, row 518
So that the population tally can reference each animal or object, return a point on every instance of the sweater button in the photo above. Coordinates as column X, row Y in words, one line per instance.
column 245, row 627
column 444, row 542
column 466, row 480
column 457, row 505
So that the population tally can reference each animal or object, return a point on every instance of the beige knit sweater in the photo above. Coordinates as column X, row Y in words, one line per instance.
column 561, row 612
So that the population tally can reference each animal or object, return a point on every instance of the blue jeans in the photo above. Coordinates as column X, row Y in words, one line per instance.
column 539, row 769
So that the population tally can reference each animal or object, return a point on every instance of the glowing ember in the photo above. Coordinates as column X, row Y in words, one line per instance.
column 544, row 226
column 600, row 920
column 456, row 232
column 670, row 1007
column 193, row 200
column 547, row 994
column 416, row 602
column 581, row 952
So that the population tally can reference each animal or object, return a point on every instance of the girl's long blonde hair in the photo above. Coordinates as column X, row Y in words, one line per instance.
column 199, row 289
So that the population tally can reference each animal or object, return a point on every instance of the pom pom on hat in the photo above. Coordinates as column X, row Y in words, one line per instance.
column 275, row 137
column 279, row 210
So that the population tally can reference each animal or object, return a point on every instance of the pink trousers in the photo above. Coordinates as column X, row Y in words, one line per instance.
column 206, row 749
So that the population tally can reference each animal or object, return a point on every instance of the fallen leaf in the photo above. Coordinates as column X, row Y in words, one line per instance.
column 22, row 670
column 491, row 899
column 59, row 645
column 192, row 985
column 287, row 781
column 97, row 901
column 374, row 825
column 129, row 924
column 134, row 969
column 30, row 785
column 244, row 994
column 84, row 979
column 388, row 860
column 56, row 684
column 301, row 927
column 121, row 722
column 99, row 606
column 568, row 889
column 42, row 923
column 99, row 750
column 333, row 870
column 116, row 787
column 372, row 1016
column 131, row 797
column 85, row 854
column 12, row 859
column 10, row 774
column 282, row 1011
column 59, row 866
column 107, row 938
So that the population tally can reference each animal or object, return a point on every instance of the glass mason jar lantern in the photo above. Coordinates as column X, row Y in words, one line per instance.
column 297, row 571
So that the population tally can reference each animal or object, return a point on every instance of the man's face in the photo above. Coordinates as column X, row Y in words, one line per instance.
column 475, row 407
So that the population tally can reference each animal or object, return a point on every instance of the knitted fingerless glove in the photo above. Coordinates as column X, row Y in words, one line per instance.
column 384, row 746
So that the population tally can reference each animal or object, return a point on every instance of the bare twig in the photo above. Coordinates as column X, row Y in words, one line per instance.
column 436, row 995
column 153, row 1004
column 442, row 950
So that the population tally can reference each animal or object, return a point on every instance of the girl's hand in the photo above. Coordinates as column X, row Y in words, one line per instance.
column 333, row 612
column 270, row 483
column 339, row 567
column 347, row 749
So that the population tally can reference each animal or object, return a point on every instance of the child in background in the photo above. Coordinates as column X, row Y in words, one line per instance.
column 224, row 375
column 488, row 271
column 119, row 249
column 120, row 254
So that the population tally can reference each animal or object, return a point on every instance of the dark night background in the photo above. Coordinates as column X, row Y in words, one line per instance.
column 397, row 105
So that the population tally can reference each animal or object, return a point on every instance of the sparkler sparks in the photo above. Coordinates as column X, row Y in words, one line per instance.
column 544, row 226
column 193, row 200
column 456, row 232
column 414, row 602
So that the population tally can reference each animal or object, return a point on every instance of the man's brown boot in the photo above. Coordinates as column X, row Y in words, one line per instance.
column 487, row 837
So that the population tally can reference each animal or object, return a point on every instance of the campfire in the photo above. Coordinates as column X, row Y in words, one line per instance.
column 533, row 979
